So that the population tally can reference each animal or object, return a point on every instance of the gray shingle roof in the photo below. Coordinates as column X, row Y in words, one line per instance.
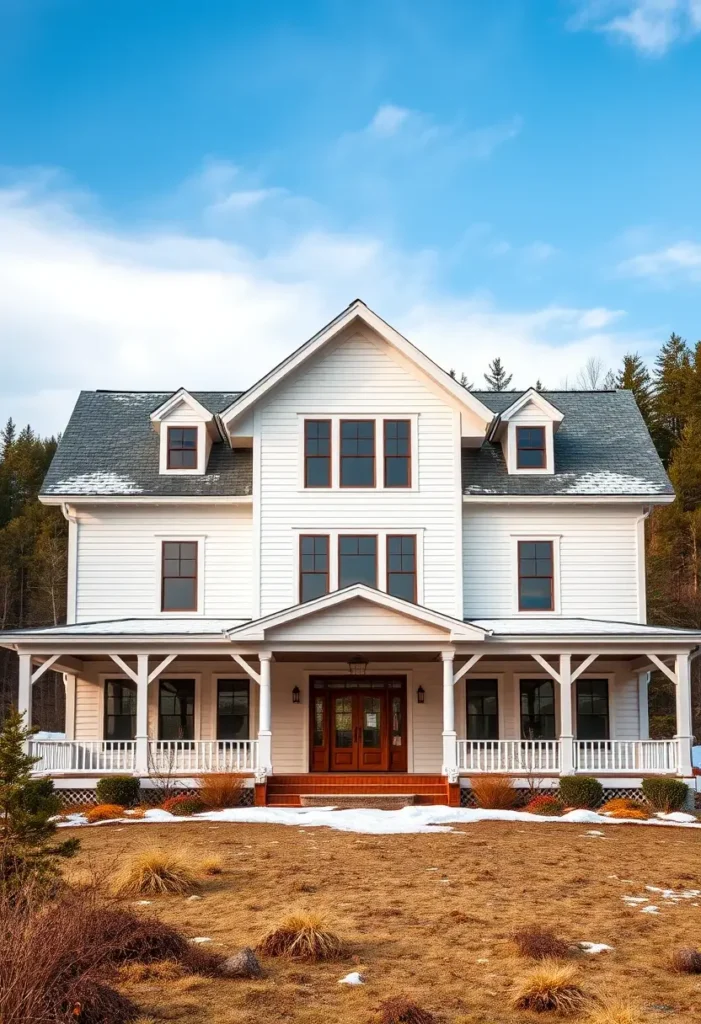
column 110, row 448
column 601, row 448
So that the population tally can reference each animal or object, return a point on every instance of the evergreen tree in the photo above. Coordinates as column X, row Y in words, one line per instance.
column 7, row 437
column 462, row 380
column 673, row 379
column 634, row 376
column 539, row 385
column 497, row 379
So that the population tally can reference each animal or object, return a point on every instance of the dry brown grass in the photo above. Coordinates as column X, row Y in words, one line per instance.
column 155, row 970
column 539, row 943
column 212, row 865
column 550, row 986
column 135, row 812
column 494, row 792
column 154, row 872
column 686, row 961
column 301, row 937
column 103, row 812
column 220, row 789
column 399, row 1010
column 615, row 1012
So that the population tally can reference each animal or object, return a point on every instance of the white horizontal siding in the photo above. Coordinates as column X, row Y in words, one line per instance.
column 119, row 558
column 359, row 620
column 598, row 558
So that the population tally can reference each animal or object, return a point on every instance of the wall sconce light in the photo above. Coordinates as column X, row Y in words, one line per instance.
column 295, row 695
column 421, row 695
column 357, row 665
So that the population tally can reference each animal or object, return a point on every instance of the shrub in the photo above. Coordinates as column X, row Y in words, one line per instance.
column 539, row 943
column 665, row 794
column 301, row 937
column 550, row 986
column 211, row 865
column 154, row 871
column 581, row 791
column 118, row 789
column 615, row 1013
column 545, row 805
column 220, row 789
column 38, row 797
column 399, row 1010
column 686, row 961
column 183, row 806
column 104, row 812
column 636, row 815
column 621, row 803
column 494, row 792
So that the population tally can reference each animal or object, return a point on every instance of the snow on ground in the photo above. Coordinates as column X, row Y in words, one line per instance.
column 375, row 822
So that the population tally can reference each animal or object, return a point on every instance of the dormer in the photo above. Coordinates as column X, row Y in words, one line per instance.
column 186, row 430
column 526, row 430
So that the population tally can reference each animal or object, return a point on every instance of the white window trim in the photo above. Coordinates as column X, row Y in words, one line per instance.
column 354, row 531
column 379, row 422
column 512, row 455
column 557, row 603
column 201, row 429
column 160, row 539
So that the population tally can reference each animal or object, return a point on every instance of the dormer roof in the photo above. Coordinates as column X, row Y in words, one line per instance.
column 181, row 396
column 529, row 397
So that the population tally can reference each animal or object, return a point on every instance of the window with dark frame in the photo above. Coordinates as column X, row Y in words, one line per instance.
column 120, row 709
column 530, row 448
column 317, row 453
column 357, row 453
column 535, row 576
column 397, row 453
column 313, row 566
column 537, row 709
column 182, row 447
column 592, row 709
column 233, row 709
column 482, row 701
column 357, row 561
column 176, row 709
column 179, row 576
column 401, row 566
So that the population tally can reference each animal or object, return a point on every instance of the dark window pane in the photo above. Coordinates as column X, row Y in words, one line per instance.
column 402, row 585
column 401, row 567
column 530, row 447
column 397, row 453
column 317, row 453
column 179, row 594
column 313, row 567
column 232, row 709
column 357, row 561
column 358, row 453
column 592, row 709
column 535, row 594
column 356, row 472
column 482, row 709
column 176, row 709
column 182, row 447
column 537, row 709
column 530, row 459
column 535, row 572
column 313, row 585
column 120, row 709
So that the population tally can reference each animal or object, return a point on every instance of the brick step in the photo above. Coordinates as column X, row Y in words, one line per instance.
column 357, row 777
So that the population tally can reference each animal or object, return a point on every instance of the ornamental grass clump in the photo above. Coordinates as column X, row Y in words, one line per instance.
column 184, row 805
column 550, row 987
column 399, row 1010
column 220, row 790
column 686, row 961
column 155, row 872
column 539, row 943
column 624, row 807
column 103, row 812
column 494, row 792
column 301, row 937
column 545, row 805
column 615, row 1013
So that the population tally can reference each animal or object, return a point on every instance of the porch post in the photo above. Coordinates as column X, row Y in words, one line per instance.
column 265, row 736
column 24, row 699
column 450, row 737
column 683, row 696
column 141, row 760
column 566, row 734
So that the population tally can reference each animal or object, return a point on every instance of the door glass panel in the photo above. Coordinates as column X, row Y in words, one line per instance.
column 343, row 721
column 372, row 724
column 319, row 722
column 397, row 724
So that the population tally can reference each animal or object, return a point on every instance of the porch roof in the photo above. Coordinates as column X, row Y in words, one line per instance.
column 554, row 627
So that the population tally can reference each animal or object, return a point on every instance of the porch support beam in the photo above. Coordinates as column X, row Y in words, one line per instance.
column 44, row 667
column 247, row 668
column 129, row 672
column 584, row 666
column 142, row 681
column 683, row 695
column 450, row 737
column 265, row 735
column 547, row 667
column 24, row 701
column 464, row 669
column 161, row 667
column 670, row 673
column 566, row 731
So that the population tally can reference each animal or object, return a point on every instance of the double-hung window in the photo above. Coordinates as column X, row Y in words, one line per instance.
column 530, row 448
column 592, row 709
column 357, row 453
column 397, row 453
column 179, row 576
column 482, row 700
column 313, row 566
column 120, row 709
column 401, row 566
column 233, row 709
column 357, row 560
column 176, row 709
column 536, row 590
column 182, row 448
column 537, row 709
column 317, row 453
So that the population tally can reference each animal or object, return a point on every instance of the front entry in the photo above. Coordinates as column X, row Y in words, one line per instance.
column 358, row 725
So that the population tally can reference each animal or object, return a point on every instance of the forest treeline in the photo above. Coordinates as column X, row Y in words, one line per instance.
column 33, row 537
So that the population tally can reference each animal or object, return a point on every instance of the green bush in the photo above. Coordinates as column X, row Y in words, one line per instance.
column 38, row 797
column 118, row 789
column 581, row 791
column 665, row 794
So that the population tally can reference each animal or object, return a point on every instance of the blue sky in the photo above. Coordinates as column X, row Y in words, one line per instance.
column 188, row 190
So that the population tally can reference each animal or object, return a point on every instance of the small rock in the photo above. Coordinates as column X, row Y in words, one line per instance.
column 242, row 965
column 595, row 947
column 650, row 910
column 200, row 938
column 354, row 978
column 191, row 898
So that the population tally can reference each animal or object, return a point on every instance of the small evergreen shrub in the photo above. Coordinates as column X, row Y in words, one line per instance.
column 118, row 789
column 183, row 805
column 581, row 791
column 38, row 797
column 545, row 805
column 665, row 794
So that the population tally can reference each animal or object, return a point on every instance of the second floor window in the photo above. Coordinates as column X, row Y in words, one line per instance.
column 357, row 453
column 397, row 453
column 530, row 448
column 401, row 566
column 179, row 576
column 317, row 453
column 313, row 567
column 182, row 447
column 535, row 576
column 357, row 561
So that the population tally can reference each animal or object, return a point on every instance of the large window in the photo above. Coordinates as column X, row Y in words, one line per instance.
column 397, row 453
column 482, row 699
column 313, row 567
column 530, row 448
column 535, row 576
column 232, row 709
column 182, row 447
column 179, row 576
column 357, row 453
column 317, row 453
column 592, row 709
column 176, row 709
column 120, row 709
column 401, row 566
column 537, row 709
column 357, row 561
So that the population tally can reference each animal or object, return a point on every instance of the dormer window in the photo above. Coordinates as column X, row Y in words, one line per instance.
column 530, row 448
column 182, row 447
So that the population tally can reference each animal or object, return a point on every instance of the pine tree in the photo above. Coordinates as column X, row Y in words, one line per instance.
column 497, row 379
column 462, row 380
column 634, row 376
column 539, row 385
column 672, row 386
column 7, row 437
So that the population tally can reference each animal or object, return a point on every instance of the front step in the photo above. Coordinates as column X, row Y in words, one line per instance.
column 378, row 801
column 357, row 790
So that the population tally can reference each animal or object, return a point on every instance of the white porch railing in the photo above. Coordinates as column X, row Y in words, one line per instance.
column 83, row 756
column 508, row 756
column 203, row 756
column 613, row 756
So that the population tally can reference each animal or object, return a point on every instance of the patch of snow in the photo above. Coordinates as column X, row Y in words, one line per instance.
column 99, row 482
column 574, row 627
column 354, row 978
column 649, row 910
column 635, row 899
column 606, row 482
column 143, row 903
column 200, row 938
column 595, row 947
column 680, row 816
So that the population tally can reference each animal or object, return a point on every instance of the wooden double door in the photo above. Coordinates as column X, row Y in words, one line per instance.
column 358, row 724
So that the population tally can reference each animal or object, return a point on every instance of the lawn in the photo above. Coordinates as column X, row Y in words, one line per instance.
column 427, row 916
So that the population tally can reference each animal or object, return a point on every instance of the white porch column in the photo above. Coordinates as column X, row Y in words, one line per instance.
column 141, row 762
column 643, row 708
column 265, row 736
column 684, row 730
column 24, row 699
column 450, row 737
column 566, row 732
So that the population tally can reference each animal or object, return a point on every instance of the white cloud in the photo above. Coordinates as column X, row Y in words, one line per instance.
column 650, row 26
column 388, row 120
column 539, row 252
column 680, row 261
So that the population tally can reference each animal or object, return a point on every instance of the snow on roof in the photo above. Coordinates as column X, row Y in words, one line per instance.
column 99, row 482
column 528, row 626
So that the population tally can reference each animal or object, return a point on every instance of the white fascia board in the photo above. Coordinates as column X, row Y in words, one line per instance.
column 357, row 311
column 146, row 499
column 568, row 499
column 546, row 407
column 181, row 395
